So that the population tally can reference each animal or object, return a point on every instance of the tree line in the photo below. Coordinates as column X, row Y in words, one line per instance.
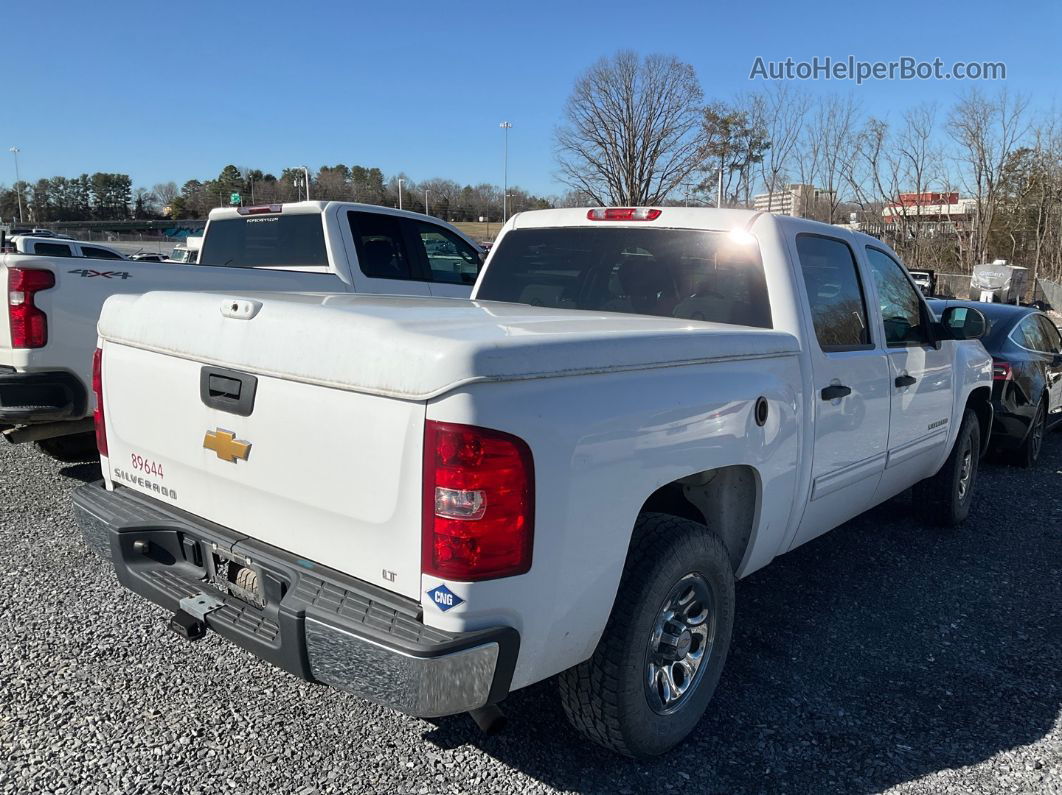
column 638, row 131
column 111, row 197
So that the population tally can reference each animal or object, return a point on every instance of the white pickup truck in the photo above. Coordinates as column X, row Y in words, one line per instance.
column 53, row 302
column 431, row 503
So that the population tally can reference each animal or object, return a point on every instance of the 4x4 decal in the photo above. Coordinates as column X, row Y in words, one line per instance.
column 87, row 273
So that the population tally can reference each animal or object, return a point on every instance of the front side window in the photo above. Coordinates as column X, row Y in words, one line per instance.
column 381, row 250
column 901, row 308
column 681, row 273
column 1033, row 335
column 450, row 258
column 98, row 253
column 1054, row 340
column 835, row 294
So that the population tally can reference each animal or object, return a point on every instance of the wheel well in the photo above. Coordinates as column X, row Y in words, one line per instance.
column 980, row 401
column 723, row 499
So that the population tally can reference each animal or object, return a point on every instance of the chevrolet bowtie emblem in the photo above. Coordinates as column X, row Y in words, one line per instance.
column 226, row 445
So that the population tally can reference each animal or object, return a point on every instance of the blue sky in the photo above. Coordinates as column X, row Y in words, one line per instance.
column 177, row 90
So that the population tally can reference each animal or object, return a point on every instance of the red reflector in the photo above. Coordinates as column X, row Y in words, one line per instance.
column 479, row 500
column 260, row 209
column 622, row 214
column 1001, row 371
column 29, row 325
column 97, row 393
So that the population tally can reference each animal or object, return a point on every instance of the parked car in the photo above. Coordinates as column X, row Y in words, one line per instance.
column 433, row 503
column 147, row 256
column 1026, row 350
column 53, row 303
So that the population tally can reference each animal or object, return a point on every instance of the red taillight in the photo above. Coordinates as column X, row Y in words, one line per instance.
column 29, row 325
column 1001, row 371
column 622, row 214
column 97, row 392
column 479, row 499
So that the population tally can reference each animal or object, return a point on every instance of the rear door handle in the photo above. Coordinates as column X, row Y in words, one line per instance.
column 905, row 380
column 835, row 392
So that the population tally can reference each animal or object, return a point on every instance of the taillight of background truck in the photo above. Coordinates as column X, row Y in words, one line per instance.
column 1001, row 370
column 97, row 394
column 29, row 325
column 479, row 497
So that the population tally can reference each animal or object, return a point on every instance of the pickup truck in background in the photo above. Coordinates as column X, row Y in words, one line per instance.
column 53, row 302
column 434, row 503
column 54, row 246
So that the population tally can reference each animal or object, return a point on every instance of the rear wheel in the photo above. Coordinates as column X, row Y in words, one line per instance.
column 947, row 495
column 659, row 660
column 1028, row 454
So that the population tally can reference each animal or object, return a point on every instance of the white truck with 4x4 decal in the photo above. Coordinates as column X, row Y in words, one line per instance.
column 431, row 503
column 54, row 298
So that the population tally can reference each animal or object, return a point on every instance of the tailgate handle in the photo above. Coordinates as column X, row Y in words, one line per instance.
column 227, row 390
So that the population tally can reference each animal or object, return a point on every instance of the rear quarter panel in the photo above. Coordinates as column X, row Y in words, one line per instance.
column 601, row 445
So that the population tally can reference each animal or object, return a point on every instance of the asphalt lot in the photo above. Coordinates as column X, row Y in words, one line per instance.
column 882, row 656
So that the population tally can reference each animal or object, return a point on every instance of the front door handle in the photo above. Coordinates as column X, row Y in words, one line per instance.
column 905, row 380
column 835, row 392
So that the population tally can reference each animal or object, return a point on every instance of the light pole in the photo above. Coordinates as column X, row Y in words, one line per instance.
column 400, row 181
column 425, row 201
column 306, row 176
column 18, row 179
column 505, row 172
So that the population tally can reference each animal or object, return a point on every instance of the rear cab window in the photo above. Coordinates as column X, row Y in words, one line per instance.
column 682, row 273
column 293, row 242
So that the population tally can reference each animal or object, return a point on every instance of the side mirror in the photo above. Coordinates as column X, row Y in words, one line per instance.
column 964, row 323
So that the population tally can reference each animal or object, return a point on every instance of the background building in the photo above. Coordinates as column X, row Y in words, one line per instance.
column 800, row 200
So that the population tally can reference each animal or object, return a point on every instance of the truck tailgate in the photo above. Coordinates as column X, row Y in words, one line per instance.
column 325, row 474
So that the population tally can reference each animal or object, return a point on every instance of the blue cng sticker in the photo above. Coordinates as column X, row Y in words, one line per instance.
column 444, row 598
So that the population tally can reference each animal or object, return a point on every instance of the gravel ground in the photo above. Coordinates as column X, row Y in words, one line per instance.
column 882, row 656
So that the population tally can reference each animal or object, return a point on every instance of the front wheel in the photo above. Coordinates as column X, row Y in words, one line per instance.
column 948, row 494
column 659, row 660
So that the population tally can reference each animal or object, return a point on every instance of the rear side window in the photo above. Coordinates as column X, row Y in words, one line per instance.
column 450, row 258
column 52, row 249
column 265, row 241
column 681, row 273
column 835, row 294
column 382, row 252
column 98, row 253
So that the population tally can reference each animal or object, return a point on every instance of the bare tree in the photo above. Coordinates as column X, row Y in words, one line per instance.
column 781, row 113
column 831, row 139
column 987, row 131
column 630, row 135
column 165, row 193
